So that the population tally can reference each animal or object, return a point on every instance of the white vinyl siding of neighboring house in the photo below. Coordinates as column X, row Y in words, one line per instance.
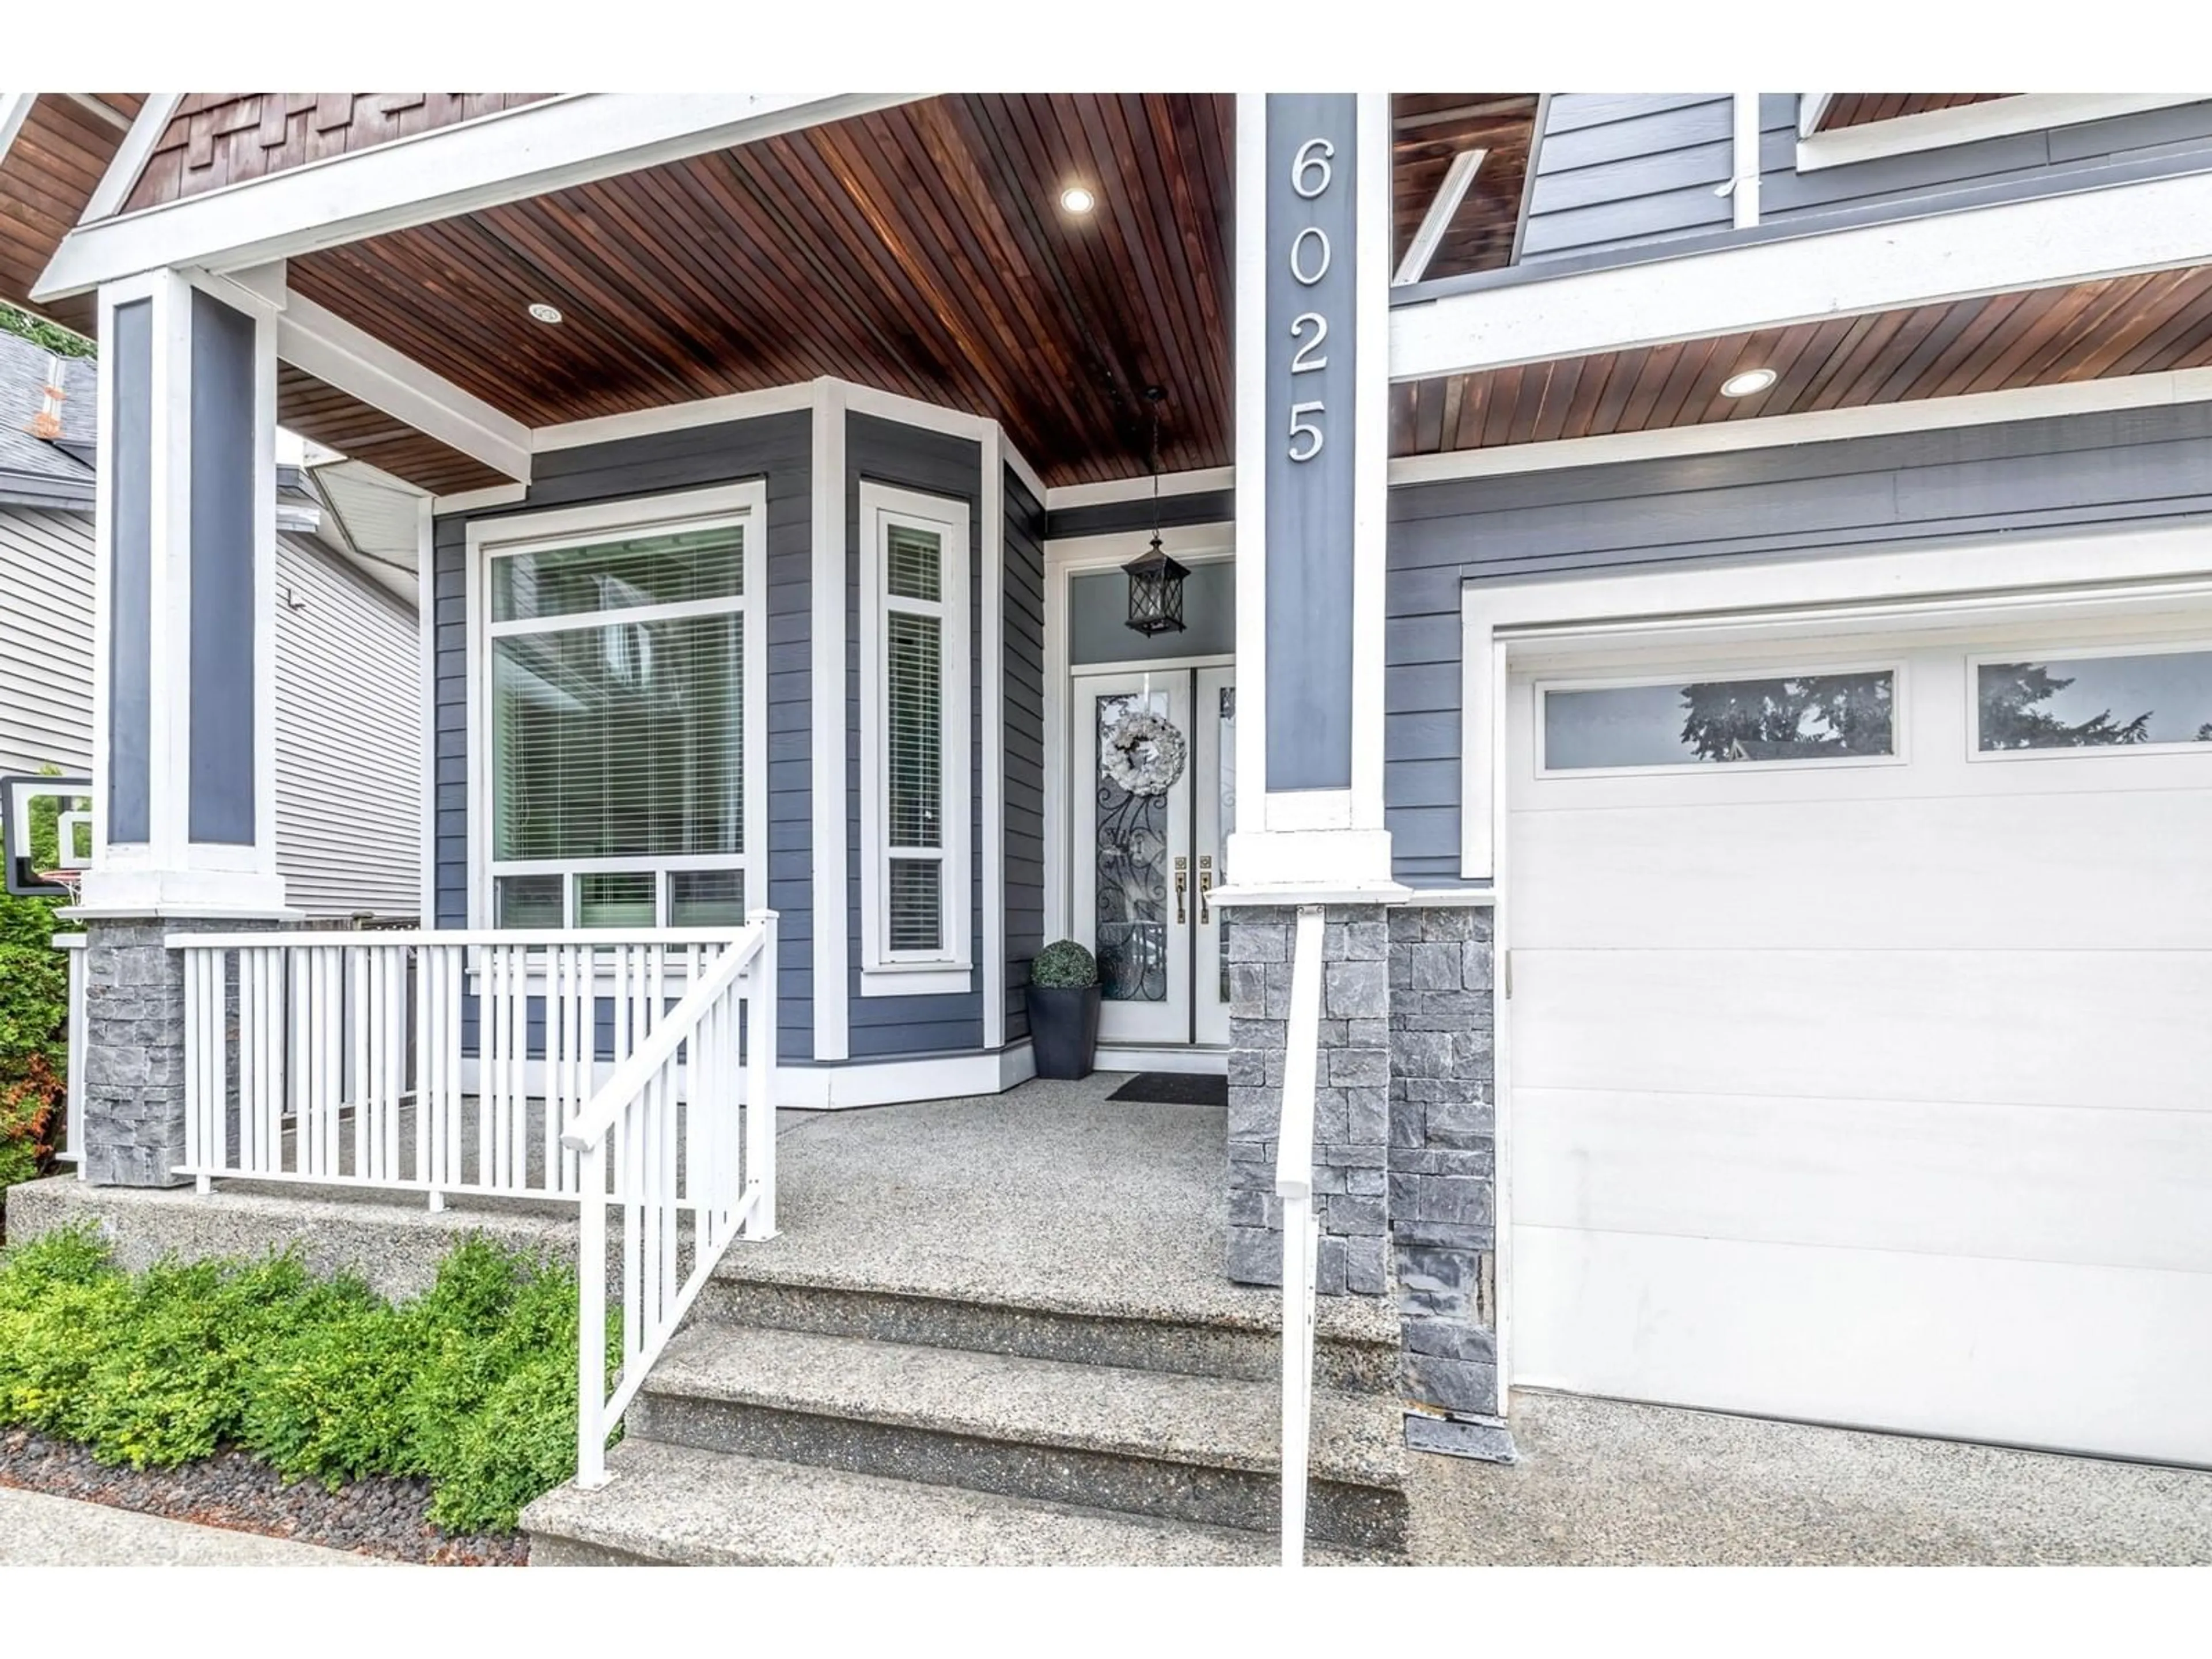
column 45, row 640
column 349, row 707
column 349, row 741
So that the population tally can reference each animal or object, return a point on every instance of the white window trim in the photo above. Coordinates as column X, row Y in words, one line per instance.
column 1965, row 123
column 1977, row 755
column 1771, row 670
column 949, row 970
column 743, row 503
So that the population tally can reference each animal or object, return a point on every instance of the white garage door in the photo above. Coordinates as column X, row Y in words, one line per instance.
column 1861, row 1033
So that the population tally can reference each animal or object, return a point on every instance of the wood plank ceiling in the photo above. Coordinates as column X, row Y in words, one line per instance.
column 1856, row 109
column 2042, row 337
column 921, row 249
column 1427, row 130
column 46, row 177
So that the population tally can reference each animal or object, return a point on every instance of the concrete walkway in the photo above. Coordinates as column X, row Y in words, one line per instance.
column 1602, row 1482
column 37, row 1530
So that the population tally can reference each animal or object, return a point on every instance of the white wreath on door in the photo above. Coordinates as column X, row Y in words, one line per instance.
column 1144, row 753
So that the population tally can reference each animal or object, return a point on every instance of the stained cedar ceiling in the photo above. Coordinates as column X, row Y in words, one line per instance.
column 46, row 177
column 1427, row 130
column 920, row 249
column 2042, row 337
column 1856, row 109
column 316, row 410
column 217, row 138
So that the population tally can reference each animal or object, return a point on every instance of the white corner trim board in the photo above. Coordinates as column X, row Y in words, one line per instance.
column 326, row 345
column 1966, row 124
column 2155, row 225
column 826, row 699
column 526, row 151
column 2018, row 575
column 2181, row 386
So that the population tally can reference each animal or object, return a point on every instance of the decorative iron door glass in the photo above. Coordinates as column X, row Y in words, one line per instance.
column 1149, row 770
column 1779, row 718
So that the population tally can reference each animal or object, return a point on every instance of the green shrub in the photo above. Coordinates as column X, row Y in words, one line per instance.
column 472, row 1384
column 1064, row 966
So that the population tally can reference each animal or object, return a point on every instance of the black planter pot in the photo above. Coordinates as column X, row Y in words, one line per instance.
column 1064, row 1028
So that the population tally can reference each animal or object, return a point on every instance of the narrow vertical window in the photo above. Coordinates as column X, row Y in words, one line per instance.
column 915, row 801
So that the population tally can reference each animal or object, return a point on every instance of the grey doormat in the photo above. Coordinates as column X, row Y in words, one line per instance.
column 1175, row 1089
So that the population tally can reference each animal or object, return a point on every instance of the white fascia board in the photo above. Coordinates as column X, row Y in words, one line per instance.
column 1193, row 482
column 129, row 158
column 2183, row 385
column 323, row 344
column 15, row 110
column 2156, row 225
column 501, row 157
column 1967, row 123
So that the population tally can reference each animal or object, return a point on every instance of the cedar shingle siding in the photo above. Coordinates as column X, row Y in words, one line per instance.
column 217, row 138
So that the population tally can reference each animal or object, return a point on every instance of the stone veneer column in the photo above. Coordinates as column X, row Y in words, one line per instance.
column 1443, row 1159
column 133, row 1047
column 1352, row 1096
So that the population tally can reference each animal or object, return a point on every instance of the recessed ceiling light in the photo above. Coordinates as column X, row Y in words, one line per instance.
column 1751, row 382
column 545, row 314
column 1078, row 199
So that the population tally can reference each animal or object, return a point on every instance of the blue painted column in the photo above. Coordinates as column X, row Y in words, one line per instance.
column 184, row 813
column 1313, row 251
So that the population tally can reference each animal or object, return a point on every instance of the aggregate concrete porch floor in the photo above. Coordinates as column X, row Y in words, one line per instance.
column 1051, row 1196
column 1605, row 1482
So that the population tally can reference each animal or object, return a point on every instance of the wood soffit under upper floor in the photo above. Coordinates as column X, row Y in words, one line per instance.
column 1858, row 109
column 2139, row 324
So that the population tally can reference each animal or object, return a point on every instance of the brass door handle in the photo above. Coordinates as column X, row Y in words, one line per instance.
column 1205, row 887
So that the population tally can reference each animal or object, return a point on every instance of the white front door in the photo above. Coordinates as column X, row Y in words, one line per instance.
column 1861, row 1067
column 1146, row 865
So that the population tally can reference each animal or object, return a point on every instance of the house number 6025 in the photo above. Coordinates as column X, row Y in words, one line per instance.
column 1312, row 171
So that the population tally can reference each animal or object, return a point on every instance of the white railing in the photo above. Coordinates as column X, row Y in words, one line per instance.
column 72, row 946
column 639, row 1150
column 1294, row 1157
column 441, row 1062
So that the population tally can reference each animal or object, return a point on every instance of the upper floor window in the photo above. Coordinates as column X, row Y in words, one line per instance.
column 917, row 925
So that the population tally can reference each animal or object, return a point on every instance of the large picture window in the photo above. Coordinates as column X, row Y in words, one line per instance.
column 915, row 807
column 622, row 680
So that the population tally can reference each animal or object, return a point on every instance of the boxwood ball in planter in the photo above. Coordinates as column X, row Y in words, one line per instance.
column 1063, row 1002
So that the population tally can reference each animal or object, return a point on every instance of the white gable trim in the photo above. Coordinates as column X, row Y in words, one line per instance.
column 15, row 110
column 130, row 159
column 501, row 157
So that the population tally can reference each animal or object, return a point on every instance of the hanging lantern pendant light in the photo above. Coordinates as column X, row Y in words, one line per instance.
column 1155, row 579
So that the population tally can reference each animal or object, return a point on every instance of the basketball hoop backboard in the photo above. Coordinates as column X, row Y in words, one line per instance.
column 46, row 850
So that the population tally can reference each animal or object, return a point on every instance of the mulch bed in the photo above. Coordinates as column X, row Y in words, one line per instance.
column 381, row 1515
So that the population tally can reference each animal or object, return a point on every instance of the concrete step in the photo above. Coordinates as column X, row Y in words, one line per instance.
column 681, row 1506
column 1176, row 1447
column 1355, row 1351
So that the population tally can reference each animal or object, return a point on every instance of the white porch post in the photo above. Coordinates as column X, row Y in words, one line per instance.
column 1313, row 234
column 184, row 817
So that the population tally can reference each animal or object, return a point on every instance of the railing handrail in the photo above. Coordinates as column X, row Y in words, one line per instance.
column 358, row 938
column 1294, row 1154
column 1294, row 1139
column 607, row 1104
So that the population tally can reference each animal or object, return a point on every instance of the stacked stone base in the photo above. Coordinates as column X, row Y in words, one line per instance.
column 1405, row 1158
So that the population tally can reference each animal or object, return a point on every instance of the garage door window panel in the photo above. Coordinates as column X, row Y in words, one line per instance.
column 1783, row 718
column 2142, row 701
